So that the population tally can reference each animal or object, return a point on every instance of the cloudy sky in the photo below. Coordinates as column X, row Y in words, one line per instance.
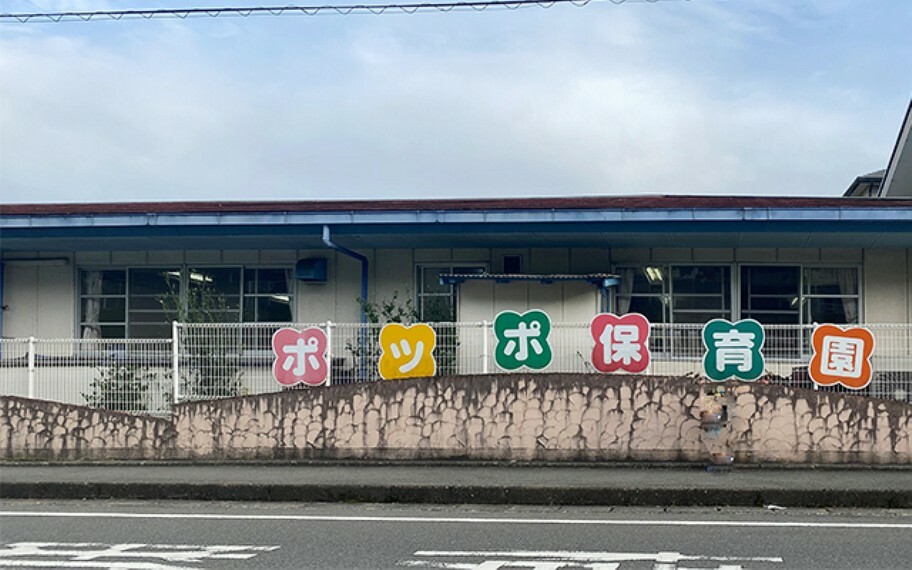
column 716, row 97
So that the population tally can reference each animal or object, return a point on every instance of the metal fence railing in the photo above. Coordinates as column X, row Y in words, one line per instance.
column 203, row 361
column 122, row 375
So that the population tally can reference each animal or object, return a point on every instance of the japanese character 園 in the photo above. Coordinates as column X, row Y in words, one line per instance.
column 841, row 356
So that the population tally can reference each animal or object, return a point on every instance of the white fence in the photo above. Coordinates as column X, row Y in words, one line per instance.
column 204, row 361
column 123, row 375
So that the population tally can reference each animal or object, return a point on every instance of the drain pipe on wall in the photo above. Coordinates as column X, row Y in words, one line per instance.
column 327, row 240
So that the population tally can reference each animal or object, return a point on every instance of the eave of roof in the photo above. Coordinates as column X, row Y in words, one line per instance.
column 456, row 205
column 463, row 223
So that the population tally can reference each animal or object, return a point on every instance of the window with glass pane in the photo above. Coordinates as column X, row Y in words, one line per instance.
column 700, row 293
column 771, row 294
column 267, row 295
column 644, row 290
column 147, row 316
column 215, row 293
column 102, row 303
column 679, row 294
column 437, row 302
column 653, row 308
column 830, row 295
column 805, row 295
column 141, row 302
column 676, row 293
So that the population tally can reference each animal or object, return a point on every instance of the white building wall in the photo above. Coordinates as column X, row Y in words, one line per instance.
column 347, row 285
column 564, row 302
column 39, row 299
column 393, row 273
column 319, row 302
column 887, row 286
column 20, row 300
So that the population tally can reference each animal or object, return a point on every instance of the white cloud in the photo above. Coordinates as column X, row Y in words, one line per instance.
column 601, row 100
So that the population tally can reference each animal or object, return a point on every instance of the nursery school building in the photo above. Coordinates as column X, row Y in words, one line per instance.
column 86, row 283
column 135, row 306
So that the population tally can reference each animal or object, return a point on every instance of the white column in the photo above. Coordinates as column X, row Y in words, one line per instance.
column 484, row 347
column 175, row 360
column 329, row 353
column 31, row 367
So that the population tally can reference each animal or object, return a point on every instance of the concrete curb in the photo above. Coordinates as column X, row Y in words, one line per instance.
column 607, row 465
column 506, row 495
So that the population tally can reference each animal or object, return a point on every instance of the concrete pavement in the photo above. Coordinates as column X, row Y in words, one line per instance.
column 467, row 483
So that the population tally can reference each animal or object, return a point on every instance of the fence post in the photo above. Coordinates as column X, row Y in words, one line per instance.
column 484, row 347
column 175, row 360
column 31, row 367
column 329, row 352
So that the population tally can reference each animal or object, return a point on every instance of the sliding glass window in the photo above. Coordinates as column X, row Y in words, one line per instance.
column 683, row 294
column 142, row 302
column 676, row 294
column 437, row 302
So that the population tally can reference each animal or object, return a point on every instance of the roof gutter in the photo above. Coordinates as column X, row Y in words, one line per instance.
column 328, row 242
column 885, row 211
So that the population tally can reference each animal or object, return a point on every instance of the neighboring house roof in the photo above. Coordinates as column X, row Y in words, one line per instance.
column 866, row 185
column 595, row 221
column 898, row 179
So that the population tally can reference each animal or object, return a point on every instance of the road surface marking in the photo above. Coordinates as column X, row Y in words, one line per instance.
column 458, row 520
column 109, row 565
column 127, row 556
column 581, row 556
column 557, row 559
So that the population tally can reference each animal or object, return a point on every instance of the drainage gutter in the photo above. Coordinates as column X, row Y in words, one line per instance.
column 328, row 242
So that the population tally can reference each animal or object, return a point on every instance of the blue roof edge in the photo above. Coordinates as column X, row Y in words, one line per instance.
column 841, row 214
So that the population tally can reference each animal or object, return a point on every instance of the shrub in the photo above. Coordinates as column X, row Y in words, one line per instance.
column 122, row 388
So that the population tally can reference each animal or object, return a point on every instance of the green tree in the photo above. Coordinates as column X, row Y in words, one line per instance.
column 210, row 356
column 391, row 310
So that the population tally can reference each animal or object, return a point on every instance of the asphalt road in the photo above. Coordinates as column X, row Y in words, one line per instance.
column 156, row 535
column 462, row 483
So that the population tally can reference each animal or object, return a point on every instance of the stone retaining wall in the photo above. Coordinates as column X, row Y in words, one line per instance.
column 503, row 417
column 37, row 429
column 775, row 424
column 480, row 417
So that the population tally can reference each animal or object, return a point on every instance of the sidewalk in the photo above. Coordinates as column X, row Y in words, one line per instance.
column 454, row 482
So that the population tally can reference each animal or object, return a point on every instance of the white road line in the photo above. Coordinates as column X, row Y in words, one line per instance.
column 442, row 565
column 107, row 565
column 457, row 520
column 125, row 556
column 583, row 556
